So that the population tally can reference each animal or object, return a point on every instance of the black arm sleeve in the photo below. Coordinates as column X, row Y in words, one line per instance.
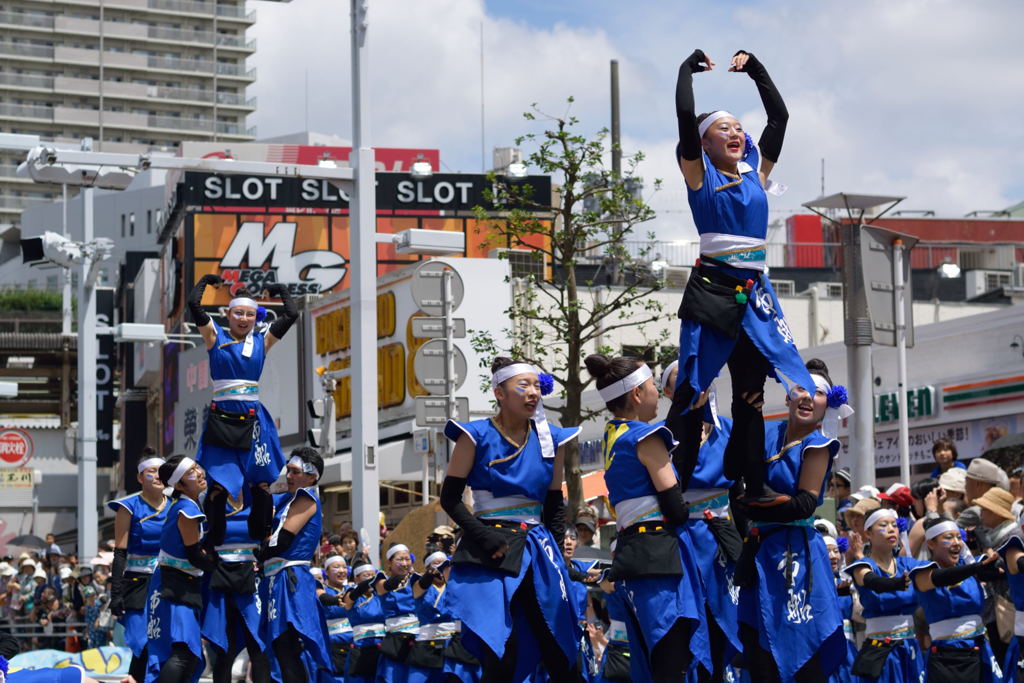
column 844, row 588
column 993, row 571
column 289, row 314
column 199, row 559
column 576, row 575
column 884, row 584
column 771, row 139
column 117, row 581
column 261, row 514
column 553, row 513
column 800, row 506
column 426, row 580
column 283, row 542
column 199, row 316
column 328, row 600
column 488, row 539
column 947, row 576
column 363, row 587
column 216, row 521
column 673, row 507
column 686, row 114
column 1020, row 564
column 392, row 582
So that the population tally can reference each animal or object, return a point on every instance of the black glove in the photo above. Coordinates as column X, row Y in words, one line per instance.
column 362, row 588
column 486, row 538
column 328, row 600
column 844, row 588
column 117, row 581
column 199, row 316
column 553, row 514
column 216, row 517
column 771, row 139
column 289, row 313
column 729, row 540
column 689, row 146
column 673, row 508
column 885, row 584
column 261, row 514
column 392, row 583
column 800, row 506
column 281, row 544
column 199, row 558
column 427, row 579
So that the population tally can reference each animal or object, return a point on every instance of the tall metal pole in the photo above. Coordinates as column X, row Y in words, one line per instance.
column 857, row 336
column 899, row 292
column 88, row 349
column 363, row 299
column 616, row 133
column 65, row 273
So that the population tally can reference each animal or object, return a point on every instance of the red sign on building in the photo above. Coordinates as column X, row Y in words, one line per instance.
column 15, row 447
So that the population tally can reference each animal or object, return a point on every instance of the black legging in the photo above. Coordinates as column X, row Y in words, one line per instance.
column 671, row 656
column 718, row 645
column 288, row 649
column 221, row 662
column 501, row 670
column 137, row 669
column 761, row 664
column 748, row 370
column 180, row 666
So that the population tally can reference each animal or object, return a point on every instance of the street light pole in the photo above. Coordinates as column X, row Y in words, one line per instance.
column 900, row 292
column 363, row 296
column 88, row 349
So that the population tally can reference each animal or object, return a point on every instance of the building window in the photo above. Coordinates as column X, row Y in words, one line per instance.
column 149, row 221
column 123, row 221
column 131, row 224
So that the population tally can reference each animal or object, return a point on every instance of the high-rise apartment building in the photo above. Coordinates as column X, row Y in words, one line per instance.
column 131, row 74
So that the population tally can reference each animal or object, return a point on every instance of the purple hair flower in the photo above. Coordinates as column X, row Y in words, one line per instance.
column 547, row 383
column 843, row 543
column 837, row 396
column 261, row 314
column 748, row 146
column 902, row 523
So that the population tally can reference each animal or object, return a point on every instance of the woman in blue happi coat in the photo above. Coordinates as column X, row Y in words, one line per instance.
column 175, row 591
column 366, row 615
column 339, row 628
column 508, row 583
column 950, row 592
column 138, row 523
column 790, row 621
column 716, row 540
column 1012, row 552
column 844, row 594
column 231, row 615
column 437, row 653
column 654, row 565
column 291, row 621
column 730, row 314
column 237, row 355
column 617, row 659
column 401, row 618
column 890, row 652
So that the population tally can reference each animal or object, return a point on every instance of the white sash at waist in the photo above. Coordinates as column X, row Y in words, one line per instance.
column 738, row 251
column 1018, row 623
column 364, row 631
column 235, row 390
column 439, row 631
column 617, row 631
column 237, row 552
column 640, row 509
column 166, row 560
column 142, row 564
column 276, row 564
column 958, row 628
column 336, row 627
column 897, row 626
column 405, row 623
column 512, row 508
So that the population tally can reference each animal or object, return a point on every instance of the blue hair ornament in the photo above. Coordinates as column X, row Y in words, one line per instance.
column 902, row 523
column 4, row 666
column 748, row 146
column 963, row 535
column 412, row 558
column 843, row 543
column 547, row 383
column 261, row 314
column 837, row 396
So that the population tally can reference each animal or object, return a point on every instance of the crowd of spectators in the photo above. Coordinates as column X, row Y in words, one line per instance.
column 49, row 599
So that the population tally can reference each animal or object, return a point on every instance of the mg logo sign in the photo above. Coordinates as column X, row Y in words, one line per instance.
column 306, row 272
column 15, row 447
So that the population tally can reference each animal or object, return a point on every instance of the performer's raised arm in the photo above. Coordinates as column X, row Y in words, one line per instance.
column 688, row 150
column 771, row 139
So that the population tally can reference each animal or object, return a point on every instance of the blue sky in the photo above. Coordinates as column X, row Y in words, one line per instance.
column 920, row 98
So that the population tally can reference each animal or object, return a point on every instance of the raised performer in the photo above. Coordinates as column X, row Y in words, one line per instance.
column 508, row 583
column 654, row 564
column 730, row 314
column 138, row 523
column 239, row 444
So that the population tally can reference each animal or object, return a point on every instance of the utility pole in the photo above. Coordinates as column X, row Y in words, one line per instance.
column 616, row 133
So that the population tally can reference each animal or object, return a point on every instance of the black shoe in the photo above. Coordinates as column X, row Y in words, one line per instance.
column 765, row 498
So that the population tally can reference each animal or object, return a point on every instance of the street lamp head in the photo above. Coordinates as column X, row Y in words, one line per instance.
column 42, row 166
column 948, row 270
column 516, row 169
column 51, row 249
column 421, row 168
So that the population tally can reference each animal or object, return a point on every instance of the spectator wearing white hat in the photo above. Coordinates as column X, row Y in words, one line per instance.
column 982, row 475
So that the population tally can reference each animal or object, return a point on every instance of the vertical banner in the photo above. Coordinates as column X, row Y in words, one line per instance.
column 106, row 453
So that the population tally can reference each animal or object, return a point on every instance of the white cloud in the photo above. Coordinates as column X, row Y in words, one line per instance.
column 917, row 98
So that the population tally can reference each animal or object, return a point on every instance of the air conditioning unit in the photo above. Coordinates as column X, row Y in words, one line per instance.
column 676, row 277
column 522, row 262
column 979, row 282
column 828, row 290
column 1018, row 275
column 784, row 287
column 1000, row 257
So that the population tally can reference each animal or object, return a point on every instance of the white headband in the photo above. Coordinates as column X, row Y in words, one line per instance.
column 395, row 549
column 667, row 372
column 941, row 528
column 821, row 383
column 150, row 462
column 831, row 541
column 333, row 559
column 306, row 467
column 877, row 516
column 630, row 381
column 436, row 556
column 362, row 568
column 242, row 301
column 540, row 418
column 711, row 118
column 184, row 466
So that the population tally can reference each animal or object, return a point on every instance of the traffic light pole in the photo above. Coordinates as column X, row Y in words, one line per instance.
column 88, row 350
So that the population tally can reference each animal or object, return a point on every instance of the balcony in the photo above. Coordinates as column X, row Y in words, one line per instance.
column 204, row 8
column 24, row 111
column 200, row 125
column 25, row 81
column 26, row 19
column 26, row 50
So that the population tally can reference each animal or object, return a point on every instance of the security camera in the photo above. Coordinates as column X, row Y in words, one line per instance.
column 50, row 249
